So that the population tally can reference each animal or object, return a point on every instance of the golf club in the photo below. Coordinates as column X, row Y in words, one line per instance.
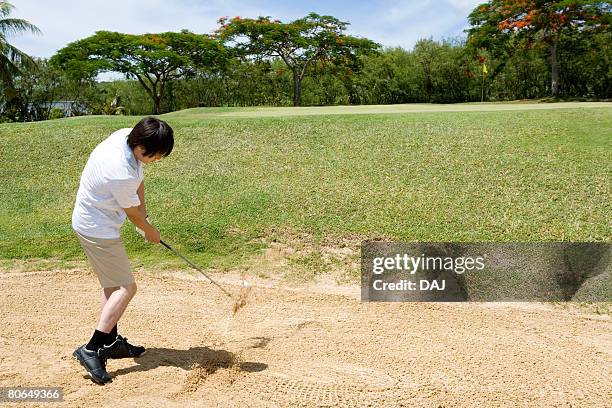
column 244, row 287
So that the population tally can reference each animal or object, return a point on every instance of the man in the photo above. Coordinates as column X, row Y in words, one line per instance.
column 112, row 188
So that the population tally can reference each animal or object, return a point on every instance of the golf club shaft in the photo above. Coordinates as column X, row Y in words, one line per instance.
column 196, row 268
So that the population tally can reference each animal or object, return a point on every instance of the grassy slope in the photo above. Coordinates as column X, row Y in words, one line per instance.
column 501, row 175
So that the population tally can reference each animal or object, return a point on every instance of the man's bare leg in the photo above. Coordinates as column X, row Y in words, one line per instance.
column 115, row 301
column 106, row 292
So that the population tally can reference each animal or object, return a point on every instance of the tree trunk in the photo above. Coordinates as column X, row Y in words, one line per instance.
column 158, row 94
column 156, row 104
column 297, row 89
column 554, row 69
column 153, row 93
column 170, row 95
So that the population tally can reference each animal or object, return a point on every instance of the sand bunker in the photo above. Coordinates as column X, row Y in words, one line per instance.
column 301, row 349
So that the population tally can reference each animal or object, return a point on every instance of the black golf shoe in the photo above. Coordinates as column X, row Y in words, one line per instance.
column 93, row 363
column 120, row 348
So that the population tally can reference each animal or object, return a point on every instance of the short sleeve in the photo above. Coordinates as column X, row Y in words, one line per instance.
column 125, row 192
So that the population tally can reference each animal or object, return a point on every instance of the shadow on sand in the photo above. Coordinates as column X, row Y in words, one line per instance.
column 204, row 357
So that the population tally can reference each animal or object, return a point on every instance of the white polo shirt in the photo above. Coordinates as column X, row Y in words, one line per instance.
column 109, row 183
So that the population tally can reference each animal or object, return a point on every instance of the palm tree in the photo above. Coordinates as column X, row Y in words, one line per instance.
column 12, row 58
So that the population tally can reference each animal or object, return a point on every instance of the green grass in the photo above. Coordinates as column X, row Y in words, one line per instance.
column 488, row 172
column 253, row 112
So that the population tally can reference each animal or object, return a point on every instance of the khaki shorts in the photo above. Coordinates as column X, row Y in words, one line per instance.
column 108, row 260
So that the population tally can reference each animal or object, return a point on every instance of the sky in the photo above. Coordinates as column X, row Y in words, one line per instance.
column 390, row 23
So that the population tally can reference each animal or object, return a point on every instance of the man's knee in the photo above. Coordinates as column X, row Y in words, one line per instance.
column 131, row 289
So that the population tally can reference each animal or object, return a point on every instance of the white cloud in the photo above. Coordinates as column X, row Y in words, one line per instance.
column 64, row 21
column 403, row 23
column 465, row 5
column 392, row 23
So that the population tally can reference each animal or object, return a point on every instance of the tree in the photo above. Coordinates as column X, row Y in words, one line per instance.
column 585, row 65
column 153, row 59
column 392, row 76
column 300, row 44
column 11, row 58
column 536, row 21
column 38, row 88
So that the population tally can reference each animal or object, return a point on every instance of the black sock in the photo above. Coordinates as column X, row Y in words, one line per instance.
column 111, row 337
column 97, row 341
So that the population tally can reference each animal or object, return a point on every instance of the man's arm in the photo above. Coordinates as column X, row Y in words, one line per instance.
column 142, row 206
column 137, row 217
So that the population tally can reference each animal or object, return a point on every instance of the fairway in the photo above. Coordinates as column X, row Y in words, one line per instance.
column 374, row 109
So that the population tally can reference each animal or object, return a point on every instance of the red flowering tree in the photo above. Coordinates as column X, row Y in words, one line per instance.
column 496, row 22
column 301, row 44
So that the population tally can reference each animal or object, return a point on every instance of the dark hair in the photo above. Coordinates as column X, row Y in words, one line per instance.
column 154, row 135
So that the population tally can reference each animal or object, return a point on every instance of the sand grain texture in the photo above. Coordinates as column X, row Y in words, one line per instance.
column 301, row 349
